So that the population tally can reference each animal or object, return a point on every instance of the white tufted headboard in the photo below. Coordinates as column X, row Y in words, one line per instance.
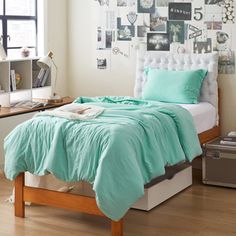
column 167, row 60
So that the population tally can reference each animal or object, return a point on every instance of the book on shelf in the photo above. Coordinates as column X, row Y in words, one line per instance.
column 39, row 78
column 228, row 141
column 45, row 77
column 13, row 80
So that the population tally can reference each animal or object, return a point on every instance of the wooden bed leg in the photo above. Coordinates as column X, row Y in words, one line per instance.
column 117, row 228
column 19, row 198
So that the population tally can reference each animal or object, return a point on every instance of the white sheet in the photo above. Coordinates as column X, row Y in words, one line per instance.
column 204, row 115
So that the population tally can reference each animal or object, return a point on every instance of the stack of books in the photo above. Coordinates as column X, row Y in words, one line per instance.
column 41, row 78
column 228, row 141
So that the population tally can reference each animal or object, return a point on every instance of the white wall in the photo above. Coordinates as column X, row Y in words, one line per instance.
column 86, row 80
column 56, row 40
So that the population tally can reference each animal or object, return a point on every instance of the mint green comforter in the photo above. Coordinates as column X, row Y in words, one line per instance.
column 118, row 152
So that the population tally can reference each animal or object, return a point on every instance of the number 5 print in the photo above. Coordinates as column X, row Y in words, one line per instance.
column 198, row 14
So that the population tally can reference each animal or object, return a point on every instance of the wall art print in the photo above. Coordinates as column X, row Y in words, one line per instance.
column 183, row 26
column 158, row 42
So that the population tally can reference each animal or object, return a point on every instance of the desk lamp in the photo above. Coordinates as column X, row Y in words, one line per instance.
column 46, row 63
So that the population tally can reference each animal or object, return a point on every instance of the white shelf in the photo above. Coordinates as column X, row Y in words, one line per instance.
column 28, row 70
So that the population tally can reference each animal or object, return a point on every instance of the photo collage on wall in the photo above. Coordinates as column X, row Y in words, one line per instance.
column 179, row 26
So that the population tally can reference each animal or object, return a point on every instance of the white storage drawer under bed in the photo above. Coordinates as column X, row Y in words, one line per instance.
column 160, row 192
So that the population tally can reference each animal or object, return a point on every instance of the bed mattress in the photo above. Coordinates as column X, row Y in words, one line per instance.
column 204, row 115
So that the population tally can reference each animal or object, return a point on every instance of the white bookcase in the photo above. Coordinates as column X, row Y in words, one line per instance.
column 28, row 70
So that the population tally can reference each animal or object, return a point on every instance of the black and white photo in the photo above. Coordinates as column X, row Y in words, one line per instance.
column 124, row 32
column 176, row 31
column 121, row 3
column 226, row 62
column 146, row 6
column 158, row 23
column 103, row 2
column 228, row 12
column 162, row 3
column 202, row 47
column 180, row 11
column 158, row 42
column 108, row 39
column 126, row 3
column 101, row 63
column 142, row 31
column 214, row 2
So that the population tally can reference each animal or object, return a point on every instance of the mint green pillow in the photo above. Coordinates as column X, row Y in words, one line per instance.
column 173, row 86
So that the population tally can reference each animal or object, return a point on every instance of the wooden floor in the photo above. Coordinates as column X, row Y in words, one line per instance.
column 200, row 210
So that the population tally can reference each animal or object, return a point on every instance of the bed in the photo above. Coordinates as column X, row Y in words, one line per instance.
column 209, row 95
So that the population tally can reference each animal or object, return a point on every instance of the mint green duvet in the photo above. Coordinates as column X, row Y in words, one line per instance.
column 118, row 152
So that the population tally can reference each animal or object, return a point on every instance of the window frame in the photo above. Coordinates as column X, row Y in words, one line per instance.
column 5, row 18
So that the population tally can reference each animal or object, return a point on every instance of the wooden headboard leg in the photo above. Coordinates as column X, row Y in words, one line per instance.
column 117, row 228
column 19, row 195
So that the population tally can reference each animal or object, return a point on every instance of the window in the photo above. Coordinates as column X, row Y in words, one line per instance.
column 18, row 26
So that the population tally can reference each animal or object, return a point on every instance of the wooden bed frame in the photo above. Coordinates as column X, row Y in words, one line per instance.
column 71, row 201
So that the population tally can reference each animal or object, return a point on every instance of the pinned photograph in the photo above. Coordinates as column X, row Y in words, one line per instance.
column 196, row 32
column 158, row 42
column 103, row 2
column 101, row 44
column 158, row 24
column 126, row 3
column 158, row 20
column 202, row 47
column 180, row 11
column 223, row 42
column 146, row 6
column 142, row 31
column 213, row 17
column 108, row 39
column 132, row 17
column 214, row 2
column 124, row 32
column 162, row 3
column 226, row 62
column 228, row 12
column 101, row 63
column 176, row 31
column 121, row 3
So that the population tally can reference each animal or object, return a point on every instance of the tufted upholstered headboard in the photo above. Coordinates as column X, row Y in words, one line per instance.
column 169, row 61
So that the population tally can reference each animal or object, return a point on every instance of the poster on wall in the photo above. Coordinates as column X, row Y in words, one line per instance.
column 202, row 47
column 228, row 12
column 213, row 17
column 142, row 31
column 102, row 63
column 214, row 2
column 124, row 32
column 103, row 2
column 176, row 31
column 162, row 3
column 126, row 3
column 158, row 42
column 226, row 62
column 158, row 20
column 180, row 11
column 146, row 6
